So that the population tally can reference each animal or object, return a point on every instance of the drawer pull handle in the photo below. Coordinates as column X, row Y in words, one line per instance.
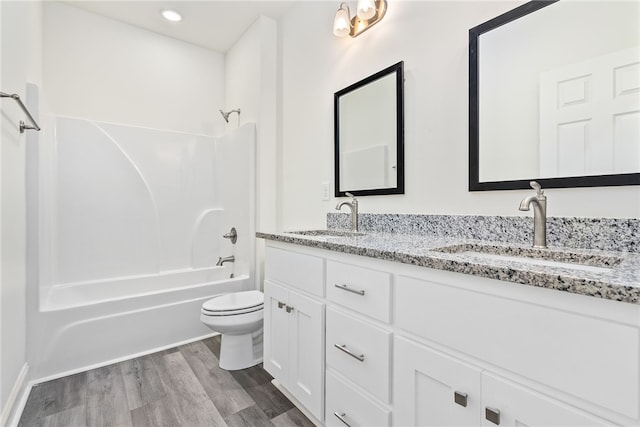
column 492, row 415
column 289, row 309
column 348, row 289
column 341, row 418
column 344, row 348
column 460, row 398
column 280, row 304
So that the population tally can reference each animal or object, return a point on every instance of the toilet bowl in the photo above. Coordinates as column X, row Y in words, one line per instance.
column 238, row 317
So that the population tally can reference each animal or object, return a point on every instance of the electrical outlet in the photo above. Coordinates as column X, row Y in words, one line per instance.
column 325, row 191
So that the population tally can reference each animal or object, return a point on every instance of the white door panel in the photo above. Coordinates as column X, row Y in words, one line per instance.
column 589, row 113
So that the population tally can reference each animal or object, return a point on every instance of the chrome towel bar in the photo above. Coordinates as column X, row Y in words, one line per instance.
column 23, row 125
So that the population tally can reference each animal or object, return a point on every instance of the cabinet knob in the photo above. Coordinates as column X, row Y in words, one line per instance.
column 280, row 304
column 289, row 309
column 460, row 398
column 341, row 418
column 492, row 414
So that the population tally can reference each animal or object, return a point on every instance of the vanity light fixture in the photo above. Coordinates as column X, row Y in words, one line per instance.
column 369, row 12
column 171, row 15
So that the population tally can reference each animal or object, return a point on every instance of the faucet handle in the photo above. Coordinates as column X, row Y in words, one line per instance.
column 537, row 187
column 350, row 195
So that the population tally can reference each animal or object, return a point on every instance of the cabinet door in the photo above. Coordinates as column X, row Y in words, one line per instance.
column 276, row 331
column 433, row 389
column 520, row 406
column 306, row 352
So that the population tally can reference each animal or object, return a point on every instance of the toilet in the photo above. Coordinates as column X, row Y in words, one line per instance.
column 238, row 317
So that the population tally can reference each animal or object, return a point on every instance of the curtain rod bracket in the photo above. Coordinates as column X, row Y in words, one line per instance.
column 23, row 125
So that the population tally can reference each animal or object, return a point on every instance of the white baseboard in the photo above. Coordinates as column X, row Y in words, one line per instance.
column 298, row 405
column 12, row 410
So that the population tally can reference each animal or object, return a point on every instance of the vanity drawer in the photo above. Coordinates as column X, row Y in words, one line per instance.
column 360, row 352
column 294, row 269
column 352, row 406
column 591, row 358
column 361, row 289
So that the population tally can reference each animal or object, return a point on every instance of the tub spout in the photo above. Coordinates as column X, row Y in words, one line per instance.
column 221, row 260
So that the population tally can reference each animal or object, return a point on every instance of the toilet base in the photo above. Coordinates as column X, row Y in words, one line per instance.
column 241, row 351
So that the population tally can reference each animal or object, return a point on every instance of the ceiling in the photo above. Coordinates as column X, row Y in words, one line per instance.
column 213, row 24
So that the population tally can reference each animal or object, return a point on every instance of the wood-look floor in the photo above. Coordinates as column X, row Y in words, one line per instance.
column 182, row 386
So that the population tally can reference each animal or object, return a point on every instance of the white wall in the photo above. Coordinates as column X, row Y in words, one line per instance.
column 251, row 85
column 250, row 77
column 20, row 49
column 97, row 68
column 432, row 38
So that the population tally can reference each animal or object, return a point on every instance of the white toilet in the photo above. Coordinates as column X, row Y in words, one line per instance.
column 238, row 317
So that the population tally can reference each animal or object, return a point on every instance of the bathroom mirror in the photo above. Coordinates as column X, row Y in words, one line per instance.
column 369, row 135
column 554, row 95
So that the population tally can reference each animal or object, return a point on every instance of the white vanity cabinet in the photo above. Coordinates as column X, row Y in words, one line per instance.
column 358, row 344
column 433, row 388
column 522, row 355
column 403, row 345
column 294, row 328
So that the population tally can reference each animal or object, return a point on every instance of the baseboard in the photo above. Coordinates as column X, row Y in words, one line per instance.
column 295, row 401
column 121, row 359
column 12, row 410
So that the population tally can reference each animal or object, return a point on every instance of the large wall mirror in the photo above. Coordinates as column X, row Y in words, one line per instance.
column 369, row 135
column 554, row 95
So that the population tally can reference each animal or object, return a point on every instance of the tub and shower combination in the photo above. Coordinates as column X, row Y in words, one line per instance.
column 129, row 225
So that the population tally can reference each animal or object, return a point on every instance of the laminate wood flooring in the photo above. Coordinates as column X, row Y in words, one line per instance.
column 182, row 386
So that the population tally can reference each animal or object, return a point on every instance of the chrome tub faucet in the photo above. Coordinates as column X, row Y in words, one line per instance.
column 353, row 205
column 221, row 260
column 539, row 202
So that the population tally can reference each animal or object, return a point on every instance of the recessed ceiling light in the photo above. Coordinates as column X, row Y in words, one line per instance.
column 171, row 15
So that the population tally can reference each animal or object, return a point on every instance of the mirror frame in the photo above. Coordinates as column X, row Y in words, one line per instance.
column 398, row 69
column 474, row 116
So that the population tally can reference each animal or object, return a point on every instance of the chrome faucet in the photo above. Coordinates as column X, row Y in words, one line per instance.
column 221, row 260
column 353, row 205
column 539, row 202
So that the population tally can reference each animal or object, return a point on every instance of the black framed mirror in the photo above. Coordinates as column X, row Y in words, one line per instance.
column 369, row 135
column 554, row 96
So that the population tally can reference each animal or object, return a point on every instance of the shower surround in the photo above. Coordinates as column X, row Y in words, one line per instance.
column 129, row 227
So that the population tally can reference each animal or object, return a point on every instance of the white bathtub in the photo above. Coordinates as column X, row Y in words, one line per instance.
column 69, row 295
column 83, row 325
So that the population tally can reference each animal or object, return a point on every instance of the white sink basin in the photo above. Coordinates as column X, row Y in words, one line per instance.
column 326, row 233
column 532, row 256
column 537, row 261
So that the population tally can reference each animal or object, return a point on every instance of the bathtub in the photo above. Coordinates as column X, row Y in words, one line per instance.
column 84, row 325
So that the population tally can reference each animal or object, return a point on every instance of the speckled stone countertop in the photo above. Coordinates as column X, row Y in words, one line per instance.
column 616, row 278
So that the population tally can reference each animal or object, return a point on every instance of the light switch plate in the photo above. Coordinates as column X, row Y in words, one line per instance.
column 325, row 189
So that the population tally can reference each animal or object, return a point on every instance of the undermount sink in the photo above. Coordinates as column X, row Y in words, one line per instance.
column 326, row 233
column 544, row 257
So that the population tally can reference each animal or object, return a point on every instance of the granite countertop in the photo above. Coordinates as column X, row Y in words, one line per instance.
column 616, row 276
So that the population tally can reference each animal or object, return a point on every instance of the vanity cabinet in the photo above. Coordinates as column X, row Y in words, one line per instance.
column 512, row 404
column 403, row 345
column 358, row 345
column 446, row 391
column 294, row 330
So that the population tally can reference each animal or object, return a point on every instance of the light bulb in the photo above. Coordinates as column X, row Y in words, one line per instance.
column 171, row 15
column 366, row 9
column 341, row 23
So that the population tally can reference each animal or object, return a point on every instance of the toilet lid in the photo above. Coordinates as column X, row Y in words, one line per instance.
column 233, row 302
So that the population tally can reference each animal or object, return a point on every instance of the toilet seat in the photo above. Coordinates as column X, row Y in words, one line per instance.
column 234, row 304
